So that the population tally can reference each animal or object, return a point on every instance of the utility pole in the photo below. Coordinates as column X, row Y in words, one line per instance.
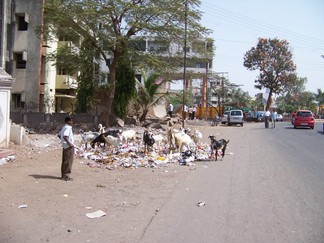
column 223, row 76
column 184, row 64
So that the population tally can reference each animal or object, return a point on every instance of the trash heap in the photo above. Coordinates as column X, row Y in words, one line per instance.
column 132, row 155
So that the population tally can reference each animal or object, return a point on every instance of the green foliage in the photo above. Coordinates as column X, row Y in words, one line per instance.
column 108, row 25
column 273, row 58
column 296, row 97
column 125, row 87
column 148, row 94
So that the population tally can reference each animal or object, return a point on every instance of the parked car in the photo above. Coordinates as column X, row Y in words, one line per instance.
column 279, row 117
column 235, row 117
column 304, row 118
column 225, row 117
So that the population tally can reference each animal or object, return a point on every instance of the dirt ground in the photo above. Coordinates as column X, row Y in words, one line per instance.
column 37, row 206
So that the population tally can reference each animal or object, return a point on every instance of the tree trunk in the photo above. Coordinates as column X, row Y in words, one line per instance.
column 108, row 111
column 143, row 116
column 269, row 100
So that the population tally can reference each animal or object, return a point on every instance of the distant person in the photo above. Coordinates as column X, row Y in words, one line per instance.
column 190, row 112
column 274, row 118
column 67, row 139
column 170, row 110
column 194, row 109
column 185, row 110
column 267, row 115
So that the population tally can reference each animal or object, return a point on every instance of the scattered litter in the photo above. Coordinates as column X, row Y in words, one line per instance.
column 7, row 159
column 96, row 214
column 88, row 208
column 65, row 195
column 23, row 206
column 100, row 185
column 201, row 204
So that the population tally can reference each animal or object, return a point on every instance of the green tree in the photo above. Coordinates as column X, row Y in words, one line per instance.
column 125, row 86
column 148, row 94
column 292, row 100
column 110, row 24
column 273, row 58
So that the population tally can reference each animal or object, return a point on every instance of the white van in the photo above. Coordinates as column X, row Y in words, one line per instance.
column 225, row 117
column 235, row 117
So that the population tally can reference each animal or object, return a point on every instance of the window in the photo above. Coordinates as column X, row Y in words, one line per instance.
column 20, row 61
column 16, row 100
column 23, row 21
column 61, row 71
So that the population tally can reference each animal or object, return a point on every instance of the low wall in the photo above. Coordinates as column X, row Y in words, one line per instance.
column 37, row 120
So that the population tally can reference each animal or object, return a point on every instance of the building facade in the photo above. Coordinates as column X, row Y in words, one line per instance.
column 39, row 85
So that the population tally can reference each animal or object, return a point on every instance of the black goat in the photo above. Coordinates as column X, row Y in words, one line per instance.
column 101, row 137
column 218, row 145
column 148, row 140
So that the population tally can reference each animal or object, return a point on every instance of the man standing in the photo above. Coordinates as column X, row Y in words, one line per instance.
column 267, row 115
column 67, row 139
column 194, row 109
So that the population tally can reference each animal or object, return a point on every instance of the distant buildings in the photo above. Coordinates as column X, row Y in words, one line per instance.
column 42, row 86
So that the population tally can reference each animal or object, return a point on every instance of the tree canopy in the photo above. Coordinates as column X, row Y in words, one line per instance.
column 273, row 58
column 109, row 25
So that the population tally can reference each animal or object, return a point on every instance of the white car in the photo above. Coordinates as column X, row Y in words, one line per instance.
column 235, row 117
column 225, row 117
column 279, row 117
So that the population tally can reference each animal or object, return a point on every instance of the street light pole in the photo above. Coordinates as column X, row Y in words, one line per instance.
column 184, row 64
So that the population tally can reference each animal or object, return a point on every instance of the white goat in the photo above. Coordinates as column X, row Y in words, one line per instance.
column 113, row 141
column 181, row 140
column 158, row 138
column 88, row 137
column 197, row 137
column 128, row 135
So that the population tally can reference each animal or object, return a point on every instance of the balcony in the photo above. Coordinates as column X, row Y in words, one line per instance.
column 74, row 47
column 66, row 82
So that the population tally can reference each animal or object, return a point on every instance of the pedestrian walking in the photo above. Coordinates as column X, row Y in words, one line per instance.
column 67, row 139
column 267, row 115
column 274, row 117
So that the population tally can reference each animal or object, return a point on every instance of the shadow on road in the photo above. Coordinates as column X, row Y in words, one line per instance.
column 45, row 177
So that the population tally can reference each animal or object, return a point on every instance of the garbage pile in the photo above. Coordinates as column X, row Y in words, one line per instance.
column 132, row 154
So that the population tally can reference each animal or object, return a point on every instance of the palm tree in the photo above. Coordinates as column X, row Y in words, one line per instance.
column 148, row 93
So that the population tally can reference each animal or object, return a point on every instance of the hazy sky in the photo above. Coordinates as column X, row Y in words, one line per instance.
column 237, row 25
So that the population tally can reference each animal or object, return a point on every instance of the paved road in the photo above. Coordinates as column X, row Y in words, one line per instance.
column 271, row 189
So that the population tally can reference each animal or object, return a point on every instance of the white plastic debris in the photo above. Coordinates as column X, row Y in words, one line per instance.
column 23, row 206
column 201, row 204
column 96, row 214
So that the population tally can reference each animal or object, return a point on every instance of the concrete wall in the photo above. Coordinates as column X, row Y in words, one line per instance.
column 28, row 80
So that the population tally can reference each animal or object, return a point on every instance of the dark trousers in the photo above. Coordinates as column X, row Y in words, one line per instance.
column 67, row 161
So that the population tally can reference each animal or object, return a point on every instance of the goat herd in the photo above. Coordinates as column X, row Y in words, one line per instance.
column 180, row 140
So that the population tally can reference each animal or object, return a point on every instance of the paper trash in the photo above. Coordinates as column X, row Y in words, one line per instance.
column 96, row 214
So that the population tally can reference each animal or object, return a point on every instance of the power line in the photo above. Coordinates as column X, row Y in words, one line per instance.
column 251, row 24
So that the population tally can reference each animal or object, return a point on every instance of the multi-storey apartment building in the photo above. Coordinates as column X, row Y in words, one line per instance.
column 39, row 85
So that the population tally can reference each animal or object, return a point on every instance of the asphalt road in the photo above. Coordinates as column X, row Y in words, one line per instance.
column 269, row 188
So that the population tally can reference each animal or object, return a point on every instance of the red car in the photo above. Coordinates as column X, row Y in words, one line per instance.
column 304, row 118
